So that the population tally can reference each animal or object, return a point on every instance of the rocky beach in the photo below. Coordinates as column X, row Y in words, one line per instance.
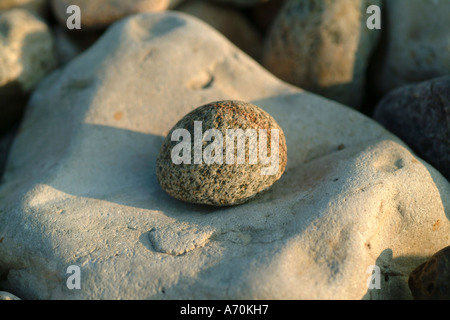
column 93, row 205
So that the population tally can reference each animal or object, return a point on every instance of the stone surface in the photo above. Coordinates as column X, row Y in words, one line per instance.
column 26, row 56
column 420, row 115
column 81, row 186
column 230, row 22
column 7, row 296
column 70, row 44
column 417, row 44
column 99, row 14
column 26, row 50
column 431, row 280
column 323, row 46
column 222, row 183
column 37, row 6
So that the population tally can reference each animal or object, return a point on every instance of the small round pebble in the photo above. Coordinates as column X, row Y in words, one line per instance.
column 202, row 173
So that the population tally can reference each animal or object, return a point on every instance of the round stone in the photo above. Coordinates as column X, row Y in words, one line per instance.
column 431, row 280
column 222, row 154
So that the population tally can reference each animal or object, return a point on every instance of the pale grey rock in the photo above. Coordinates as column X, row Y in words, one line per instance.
column 26, row 50
column 323, row 46
column 417, row 45
column 80, row 186
column 36, row 6
column 99, row 14
column 7, row 296
column 26, row 56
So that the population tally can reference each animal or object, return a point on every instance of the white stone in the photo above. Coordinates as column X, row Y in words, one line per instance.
column 417, row 46
column 26, row 50
column 80, row 186
column 7, row 296
column 37, row 6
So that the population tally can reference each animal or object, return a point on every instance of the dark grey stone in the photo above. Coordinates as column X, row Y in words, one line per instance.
column 431, row 280
column 419, row 114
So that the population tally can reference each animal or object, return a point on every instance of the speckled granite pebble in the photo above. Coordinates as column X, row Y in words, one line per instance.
column 220, row 184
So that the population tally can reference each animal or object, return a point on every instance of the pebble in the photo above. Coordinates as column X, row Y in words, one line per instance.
column 221, row 183
column 419, row 114
column 431, row 280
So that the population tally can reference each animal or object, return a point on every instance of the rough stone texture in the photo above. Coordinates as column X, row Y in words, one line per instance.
column 420, row 115
column 230, row 22
column 431, row 280
column 26, row 56
column 417, row 44
column 7, row 296
column 81, row 186
column 26, row 50
column 99, row 14
column 222, row 184
column 37, row 6
column 323, row 46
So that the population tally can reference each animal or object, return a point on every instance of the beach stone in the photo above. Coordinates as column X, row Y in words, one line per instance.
column 80, row 185
column 7, row 296
column 26, row 56
column 417, row 44
column 26, row 51
column 232, row 23
column 420, row 115
column 222, row 183
column 99, row 14
column 323, row 46
column 36, row 6
column 431, row 280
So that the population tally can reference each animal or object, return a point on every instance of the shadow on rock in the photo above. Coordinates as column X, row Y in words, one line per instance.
column 394, row 275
